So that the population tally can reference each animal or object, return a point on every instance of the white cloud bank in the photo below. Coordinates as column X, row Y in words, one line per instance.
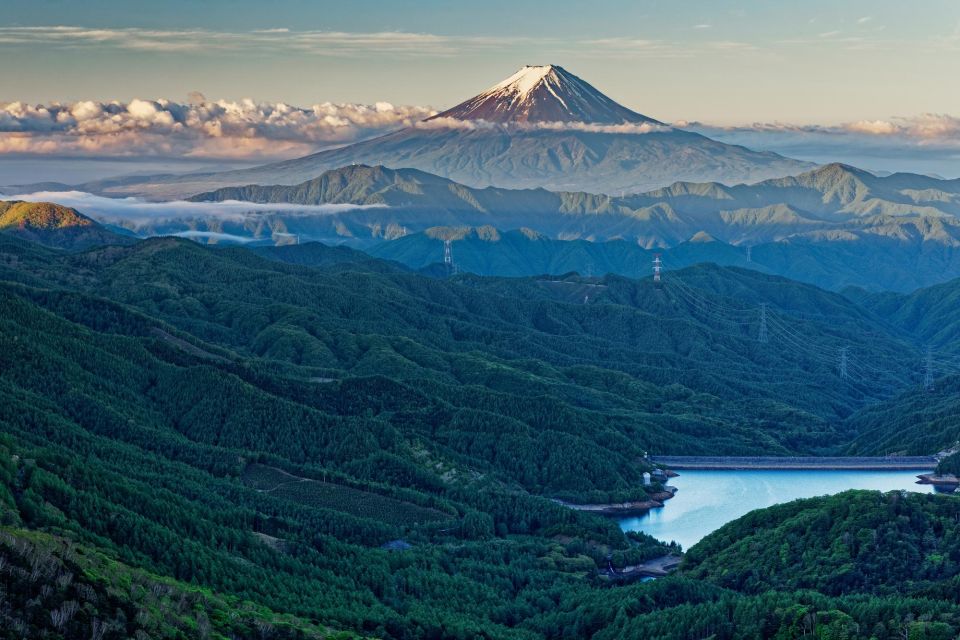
column 200, row 129
column 133, row 213
column 927, row 143
column 924, row 129
column 472, row 125
column 249, row 131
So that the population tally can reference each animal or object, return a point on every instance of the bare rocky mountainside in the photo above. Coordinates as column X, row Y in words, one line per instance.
column 541, row 127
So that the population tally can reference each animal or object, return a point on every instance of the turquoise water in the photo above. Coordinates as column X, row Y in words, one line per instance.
column 706, row 500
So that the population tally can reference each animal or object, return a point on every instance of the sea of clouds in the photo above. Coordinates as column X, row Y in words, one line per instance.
column 199, row 128
column 247, row 131
column 133, row 213
column 925, row 143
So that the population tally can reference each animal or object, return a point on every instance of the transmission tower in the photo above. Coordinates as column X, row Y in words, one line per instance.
column 763, row 337
column 843, row 363
column 928, row 371
column 657, row 267
column 448, row 256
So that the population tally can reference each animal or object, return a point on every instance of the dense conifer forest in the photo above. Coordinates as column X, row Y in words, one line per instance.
column 220, row 443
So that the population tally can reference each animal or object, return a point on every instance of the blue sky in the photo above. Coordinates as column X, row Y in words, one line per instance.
column 724, row 62
column 872, row 83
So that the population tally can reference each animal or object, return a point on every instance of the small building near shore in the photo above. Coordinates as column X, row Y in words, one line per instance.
column 396, row 546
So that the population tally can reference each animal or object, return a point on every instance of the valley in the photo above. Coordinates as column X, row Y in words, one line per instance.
column 298, row 410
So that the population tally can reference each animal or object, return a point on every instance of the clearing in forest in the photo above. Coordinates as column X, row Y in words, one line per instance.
column 329, row 495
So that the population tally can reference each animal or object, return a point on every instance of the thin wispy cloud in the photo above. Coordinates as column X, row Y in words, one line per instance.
column 274, row 39
column 630, row 47
column 732, row 46
column 473, row 125
column 864, row 20
column 332, row 43
column 277, row 39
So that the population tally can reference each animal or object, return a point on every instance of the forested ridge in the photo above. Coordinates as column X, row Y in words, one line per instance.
column 244, row 429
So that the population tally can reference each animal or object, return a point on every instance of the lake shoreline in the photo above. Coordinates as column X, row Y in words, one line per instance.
column 798, row 463
column 631, row 508
column 708, row 499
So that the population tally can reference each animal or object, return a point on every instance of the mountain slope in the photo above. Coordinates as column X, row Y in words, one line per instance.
column 228, row 445
column 832, row 192
column 821, row 226
column 541, row 127
column 931, row 314
column 834, row 202
column 543, row 93
column 54, row 226
column 524, row 252
column 857, row 541
column 627, row 329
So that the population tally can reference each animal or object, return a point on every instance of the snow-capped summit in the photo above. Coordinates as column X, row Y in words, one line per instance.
column 544, row 93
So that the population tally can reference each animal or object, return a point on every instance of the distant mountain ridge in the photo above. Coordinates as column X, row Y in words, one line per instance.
column 834, row 191
column 541, row 127
column 834, row 202
column 874, row 263
column 835, row 226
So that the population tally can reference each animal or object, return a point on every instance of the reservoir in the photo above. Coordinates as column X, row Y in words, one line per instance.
column 706, row 500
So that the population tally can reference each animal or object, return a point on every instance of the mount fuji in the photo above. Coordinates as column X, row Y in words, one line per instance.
column 543, row 94
column 541, row 127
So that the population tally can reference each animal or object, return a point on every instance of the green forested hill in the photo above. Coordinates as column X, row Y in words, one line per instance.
column 859, row 564
column 896, row 259
column 932, row 315
column 123, row 436
column 55, row 226
column 259, row 430
column 647, row 363
column 856, row 541
column 921, row 421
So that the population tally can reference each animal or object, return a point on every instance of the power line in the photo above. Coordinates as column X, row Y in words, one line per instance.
column 715, row 302
column 762, row 337
column 703, row 308
column 856, row 372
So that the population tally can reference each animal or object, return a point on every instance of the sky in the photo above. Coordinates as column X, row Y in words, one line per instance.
column 289, row 76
